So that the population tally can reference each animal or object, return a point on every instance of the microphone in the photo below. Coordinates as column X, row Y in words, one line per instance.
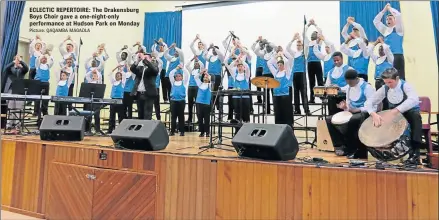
column 80, row 41
column 233, row 35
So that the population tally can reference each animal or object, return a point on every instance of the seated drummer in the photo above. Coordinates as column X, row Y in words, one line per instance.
column 401, row 98
column 336, row 78
column 356, row 95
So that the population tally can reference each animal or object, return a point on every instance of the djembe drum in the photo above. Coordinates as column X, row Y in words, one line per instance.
column 341, row 120
column 390, row 141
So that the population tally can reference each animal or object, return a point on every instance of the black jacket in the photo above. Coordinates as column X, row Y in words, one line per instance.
column 151, row 71
column 11, row 74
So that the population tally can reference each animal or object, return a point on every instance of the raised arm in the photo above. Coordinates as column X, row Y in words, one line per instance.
column 88, row 76
column 344, row 31
column 186, row 77
column 344, row 48
column 70, row 79
column 220, row 55
column 192, row 46
column 361, row 29
column 378, row 23
column 171, row 76
column 160, row 64
column 398, row 21
column 389, row 54
column 111, row 75
column 50, row 62
column 167, row 56
column 363, row 48
column 370, row 50
column 180, row 54
column 247, row 71
column 197, row 79
column 61, row 48
column 87, row 63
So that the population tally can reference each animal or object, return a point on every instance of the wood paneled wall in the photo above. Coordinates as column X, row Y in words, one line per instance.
column 203, row 188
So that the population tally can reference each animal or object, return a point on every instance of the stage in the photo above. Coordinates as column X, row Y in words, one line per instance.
column 93, row 180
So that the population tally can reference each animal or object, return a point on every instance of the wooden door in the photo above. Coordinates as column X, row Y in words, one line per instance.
column 124, row 195
column 70, row 192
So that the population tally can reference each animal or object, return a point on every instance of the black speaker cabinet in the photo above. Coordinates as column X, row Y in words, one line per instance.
column 62, row 128
column 266, row 141
column 138, row 134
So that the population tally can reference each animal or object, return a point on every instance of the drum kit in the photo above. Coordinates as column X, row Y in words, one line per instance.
column 390, row 141
column 265, row 83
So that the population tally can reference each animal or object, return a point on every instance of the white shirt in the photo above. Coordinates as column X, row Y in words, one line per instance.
column 354, row 93
column 385, row 30
column 141, row 86
column 336, row 73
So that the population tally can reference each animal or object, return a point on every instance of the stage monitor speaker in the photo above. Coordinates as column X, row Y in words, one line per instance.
column 62, row 128
column 138, row 134
column 266, row 141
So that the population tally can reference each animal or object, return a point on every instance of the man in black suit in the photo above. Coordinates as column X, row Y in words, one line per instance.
column 14, row 71
column 144, row 88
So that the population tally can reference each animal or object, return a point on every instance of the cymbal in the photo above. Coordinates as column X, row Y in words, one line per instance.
column 387, row 133
column 263, row 81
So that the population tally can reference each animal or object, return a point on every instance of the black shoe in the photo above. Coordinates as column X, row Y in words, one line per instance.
column 207, row 134
column 172, row 134
column 308, row 113
column 181, row 133
column 312, row 101
column 258, row 103
column 201, row 135
column 297, row 112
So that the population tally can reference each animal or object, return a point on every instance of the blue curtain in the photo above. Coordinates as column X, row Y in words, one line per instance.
column 11, row 33
column 364, row 12
column 166, row 25
column 434, row 13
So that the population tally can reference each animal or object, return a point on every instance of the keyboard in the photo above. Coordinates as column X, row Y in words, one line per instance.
column 8, row 96
column 84, row 100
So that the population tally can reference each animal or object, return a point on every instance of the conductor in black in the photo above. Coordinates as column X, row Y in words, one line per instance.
column 144, row 86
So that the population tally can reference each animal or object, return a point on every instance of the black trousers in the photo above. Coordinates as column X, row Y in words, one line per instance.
column 60, row 109
column 166, row 86
column 242, row 109
column 415, row 120
column 128, row 104
column 44, row 105
column 216, row 81
column 157, row 106
column 269, row 95
column 399, row 64
column 259, row 71
column 314, row 72
column 300, row 91
column 119, row 109
column 177, row 111
column 378, row 84
column 364, row 76
column 96, row 117
column 283, row 110
column 203, row 114
column 192, row 96
column 332, row 104
column 230, row 107
column 71, row 94
column 32, row 73
column 144, row 106
column 349, row 139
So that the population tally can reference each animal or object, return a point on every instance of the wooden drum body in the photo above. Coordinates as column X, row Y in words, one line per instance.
column 390, row 141
column 341, row 120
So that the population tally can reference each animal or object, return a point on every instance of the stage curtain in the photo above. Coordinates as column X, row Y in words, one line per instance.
column 166, row 25
column 434, row 13
column 11, row 33
column 364, row 12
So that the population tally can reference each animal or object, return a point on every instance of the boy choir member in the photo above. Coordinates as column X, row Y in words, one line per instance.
column 174, row 61
column 266, row 53
column 359, row 57
column 261, row 66
column 200, row 51
column 215, row 58
column 37, row 48
column 69, row 49
column 357, row 31
column 179, row 78
column 135, row 51
column 203, row 101
column 230, row 83
column 102, row 56
column 281, row 98
column 326, row 56
column 15, row 70
column 162, row 47
column 64, row 80
column 193, row 67
column 241, row 76
column 336, row 78
column 359, row 91
column 93, row 76
column 314, row 65
column 145, row 84
column 383, row 61
column 43, row 65
column 117, row 91
column 157, row 61
column 297, row 60
column 393, row 32
column 93, row 63
column 123, row 58
column 402, row 98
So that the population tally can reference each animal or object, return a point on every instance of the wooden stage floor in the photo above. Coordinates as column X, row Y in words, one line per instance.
column 71, row 180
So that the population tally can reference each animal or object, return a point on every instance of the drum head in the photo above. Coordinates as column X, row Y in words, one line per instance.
column 386, row 134
column 341, row 118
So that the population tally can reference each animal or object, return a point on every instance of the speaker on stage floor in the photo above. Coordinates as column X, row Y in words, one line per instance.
column 138, row 134
column 266, row 141
column 62, row 128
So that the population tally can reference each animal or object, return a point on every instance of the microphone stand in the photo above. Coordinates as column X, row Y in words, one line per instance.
column 306, row 90
column 211, row 145
column 77, row 68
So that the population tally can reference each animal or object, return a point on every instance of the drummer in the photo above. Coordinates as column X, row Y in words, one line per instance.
column 401, row 98
column 336, row 78
column 358, row 92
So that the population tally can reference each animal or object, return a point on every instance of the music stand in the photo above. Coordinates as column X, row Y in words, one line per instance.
column 92, row 91
column 25, row 87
